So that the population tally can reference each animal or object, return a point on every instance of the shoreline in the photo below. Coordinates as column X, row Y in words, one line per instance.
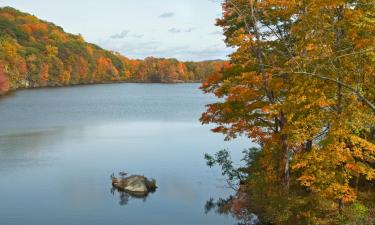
column 10, row 92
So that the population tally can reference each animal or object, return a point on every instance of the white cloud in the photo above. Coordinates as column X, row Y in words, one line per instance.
column 120, row 35
column 166, row 15
column 177, row 30
column 138, row 35
column 174, row 30
column 190, row 29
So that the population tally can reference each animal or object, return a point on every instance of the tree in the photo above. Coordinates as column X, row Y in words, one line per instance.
column 301, row 85
column 65, row 76
column 4, row 85
column 44, row 75
column 82, row 69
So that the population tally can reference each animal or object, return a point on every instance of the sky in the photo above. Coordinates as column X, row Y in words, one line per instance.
column 182, row 29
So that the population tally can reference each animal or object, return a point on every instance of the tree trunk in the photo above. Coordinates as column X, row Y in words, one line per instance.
column 285, row 151
column 285, row 154
column 309, row 145
column 341, row 206
column 372, row 133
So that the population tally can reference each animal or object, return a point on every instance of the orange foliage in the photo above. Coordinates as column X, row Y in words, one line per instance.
column 301, row 85
column 4, row 84
column 43, row 75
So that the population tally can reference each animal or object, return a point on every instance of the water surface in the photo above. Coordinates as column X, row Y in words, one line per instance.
column 58, row 148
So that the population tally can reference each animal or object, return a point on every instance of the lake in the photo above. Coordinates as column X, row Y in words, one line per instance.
column 58, row 148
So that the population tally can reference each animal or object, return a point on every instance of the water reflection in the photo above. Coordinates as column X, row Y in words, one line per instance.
column 232, row 206
column 140, row 185
column 30, row 151
column 126, row 196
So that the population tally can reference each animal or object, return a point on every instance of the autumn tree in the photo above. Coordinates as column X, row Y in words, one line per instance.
column 44, row 75
column 65, row 76
column 335, row 47
column 301, row 85
column 83, row 69
column 4, row 85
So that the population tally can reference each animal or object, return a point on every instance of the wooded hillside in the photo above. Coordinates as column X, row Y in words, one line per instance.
column 36, row 53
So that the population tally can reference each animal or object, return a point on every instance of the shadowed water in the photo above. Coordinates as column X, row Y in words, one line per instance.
column 58, row 148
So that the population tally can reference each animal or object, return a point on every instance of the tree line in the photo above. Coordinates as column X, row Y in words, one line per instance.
column 301, row 85
column 36, row 53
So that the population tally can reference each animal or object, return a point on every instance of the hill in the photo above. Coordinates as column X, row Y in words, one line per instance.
column 37, row 53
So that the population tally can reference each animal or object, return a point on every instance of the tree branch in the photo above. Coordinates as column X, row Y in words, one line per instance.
column 348, row 87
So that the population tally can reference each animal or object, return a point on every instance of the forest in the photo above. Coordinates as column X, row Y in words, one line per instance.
column 36, row 53
column 302, row 86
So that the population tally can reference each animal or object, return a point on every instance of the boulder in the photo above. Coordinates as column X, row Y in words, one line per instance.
column 135, row 184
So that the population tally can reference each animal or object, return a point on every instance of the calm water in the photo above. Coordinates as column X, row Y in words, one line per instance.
column 58, row 148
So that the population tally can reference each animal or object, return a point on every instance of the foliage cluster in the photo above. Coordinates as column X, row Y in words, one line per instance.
column 302, row 86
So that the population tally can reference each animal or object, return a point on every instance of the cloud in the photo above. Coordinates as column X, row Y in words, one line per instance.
column 174, row 30
column 137, row 36
column 166, row 15
column 190, row 29
column 121, row 35
column 126, row 33
column 177, row 30
column 194, row 54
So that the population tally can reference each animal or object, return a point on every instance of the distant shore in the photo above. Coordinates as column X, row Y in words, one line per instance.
column 9, row 92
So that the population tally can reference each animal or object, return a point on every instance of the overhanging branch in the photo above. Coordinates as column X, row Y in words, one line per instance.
column 348, row 87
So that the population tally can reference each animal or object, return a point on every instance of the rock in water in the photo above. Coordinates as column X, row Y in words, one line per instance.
column 135, row 184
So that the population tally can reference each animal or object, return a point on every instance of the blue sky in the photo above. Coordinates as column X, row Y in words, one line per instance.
column 182, row 29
